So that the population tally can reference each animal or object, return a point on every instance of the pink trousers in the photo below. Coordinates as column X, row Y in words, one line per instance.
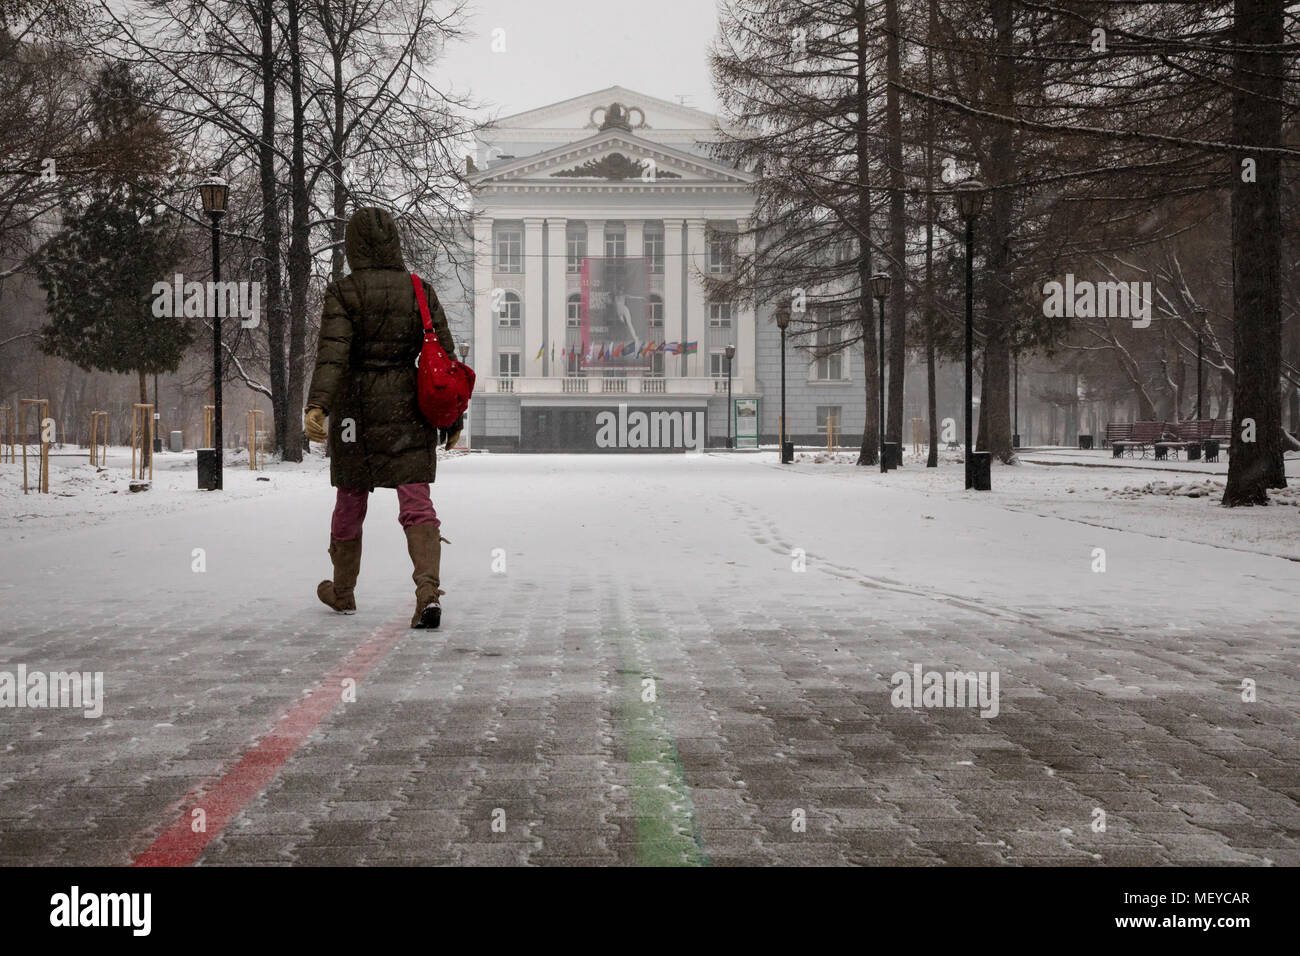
column 414, row 507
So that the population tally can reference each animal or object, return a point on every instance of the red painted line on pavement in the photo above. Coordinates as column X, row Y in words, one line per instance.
column 223, row 797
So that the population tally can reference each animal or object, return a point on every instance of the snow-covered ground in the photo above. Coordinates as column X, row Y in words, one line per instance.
column 769, row 605
column 1034, row 533
column 1165, row 499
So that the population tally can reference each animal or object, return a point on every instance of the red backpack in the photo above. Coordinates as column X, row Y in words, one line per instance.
column 443, row 385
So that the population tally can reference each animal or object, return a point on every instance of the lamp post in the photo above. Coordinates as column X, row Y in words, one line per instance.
column 730, row 352
column 214, row 191
column 1200, row 325
column 880, row 290
column 782, row 323
column 464, row 357
column 1015, row 420
column 970, row 199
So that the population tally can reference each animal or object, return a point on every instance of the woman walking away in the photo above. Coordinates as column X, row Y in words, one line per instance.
column 365, row 381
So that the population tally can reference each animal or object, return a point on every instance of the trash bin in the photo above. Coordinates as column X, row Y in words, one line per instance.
column 893, row 455
column 1085, row 442
column 981, row 463
column 177, row 440
column 1194, row 451
column 1015, row 441
column 1211, row 449
column 208, row 469
column 787, row 452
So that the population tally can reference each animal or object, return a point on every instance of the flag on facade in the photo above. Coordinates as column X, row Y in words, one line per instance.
column 675, row 348
column 691, row 348
column 663, row 347
column 540, row 352
column 552, row 351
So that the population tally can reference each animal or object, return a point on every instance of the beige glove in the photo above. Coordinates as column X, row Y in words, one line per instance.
column 452, row 438
column 314, row 423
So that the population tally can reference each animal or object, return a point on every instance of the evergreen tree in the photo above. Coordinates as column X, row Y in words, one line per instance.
column 115, row 242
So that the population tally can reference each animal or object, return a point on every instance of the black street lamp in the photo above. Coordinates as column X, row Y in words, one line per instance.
column 214, row 192
column 880, row 291
column 464, row 357
column 730, row 352
column 782, row 323
column 1015, row 421
column 1200, row 325
column 970, row 199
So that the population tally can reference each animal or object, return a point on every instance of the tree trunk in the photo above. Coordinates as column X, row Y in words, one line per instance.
column 897, row 230
column 339, row 225
column 1256, row 466
column 1293, row 357
column 299, row 246
column 271, row 233
column 870, row 441
column 932, row 398
column 995, row 391
column 145, row 443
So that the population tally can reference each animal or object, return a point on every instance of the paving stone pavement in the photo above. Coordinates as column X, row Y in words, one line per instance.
column 650, row 682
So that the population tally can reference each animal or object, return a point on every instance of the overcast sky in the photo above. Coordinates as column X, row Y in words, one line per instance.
column 556, row 49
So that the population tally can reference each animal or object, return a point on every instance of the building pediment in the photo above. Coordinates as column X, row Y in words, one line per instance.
column 612, row 155
column 588, row 111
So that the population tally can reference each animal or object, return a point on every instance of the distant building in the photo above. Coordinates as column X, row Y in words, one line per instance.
column 594, row 218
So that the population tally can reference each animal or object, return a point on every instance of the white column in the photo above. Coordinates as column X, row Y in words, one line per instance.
column 745, row 320
column 635, row 238
column 696, row 316
column 557, row 311
column 480, row 356
column 534, row 265
column 595, row 238
column 673, row 325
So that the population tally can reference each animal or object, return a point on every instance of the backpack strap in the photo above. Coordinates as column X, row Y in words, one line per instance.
column 422, row 302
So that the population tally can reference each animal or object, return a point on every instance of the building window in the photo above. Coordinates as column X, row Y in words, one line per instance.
column 615, row 243
column 657, row 364
column 829, row 368
column 654, row 250
column 828, row 413
column 510, row 250
column 508, row 364
column 722, row 253
column 718, row 364
column 656, row 311
column 846, row 250
column 576, row 251
column 720, row 315
column 510, row 309
column 574, row 310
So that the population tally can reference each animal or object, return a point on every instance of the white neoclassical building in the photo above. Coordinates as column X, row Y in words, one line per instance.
column 560, row 193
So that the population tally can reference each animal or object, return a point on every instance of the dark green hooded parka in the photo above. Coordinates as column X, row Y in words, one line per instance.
column 370, row 338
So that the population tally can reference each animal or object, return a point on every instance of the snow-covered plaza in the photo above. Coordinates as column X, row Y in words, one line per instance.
column 699, row 658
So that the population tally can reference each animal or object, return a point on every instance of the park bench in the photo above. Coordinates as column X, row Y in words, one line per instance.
column 1143, row 436
column 1118, row 432
column 1183, row 436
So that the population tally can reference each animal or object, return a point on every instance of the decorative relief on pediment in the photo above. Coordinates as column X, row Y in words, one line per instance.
column 611, row 166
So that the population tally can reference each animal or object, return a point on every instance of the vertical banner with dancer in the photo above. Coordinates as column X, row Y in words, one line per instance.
column 616, row 313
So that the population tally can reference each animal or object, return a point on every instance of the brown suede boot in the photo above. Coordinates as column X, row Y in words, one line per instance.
column 346, row 556
column 425, row 546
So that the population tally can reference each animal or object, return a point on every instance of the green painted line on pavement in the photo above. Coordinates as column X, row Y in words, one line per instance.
column 661, row 799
